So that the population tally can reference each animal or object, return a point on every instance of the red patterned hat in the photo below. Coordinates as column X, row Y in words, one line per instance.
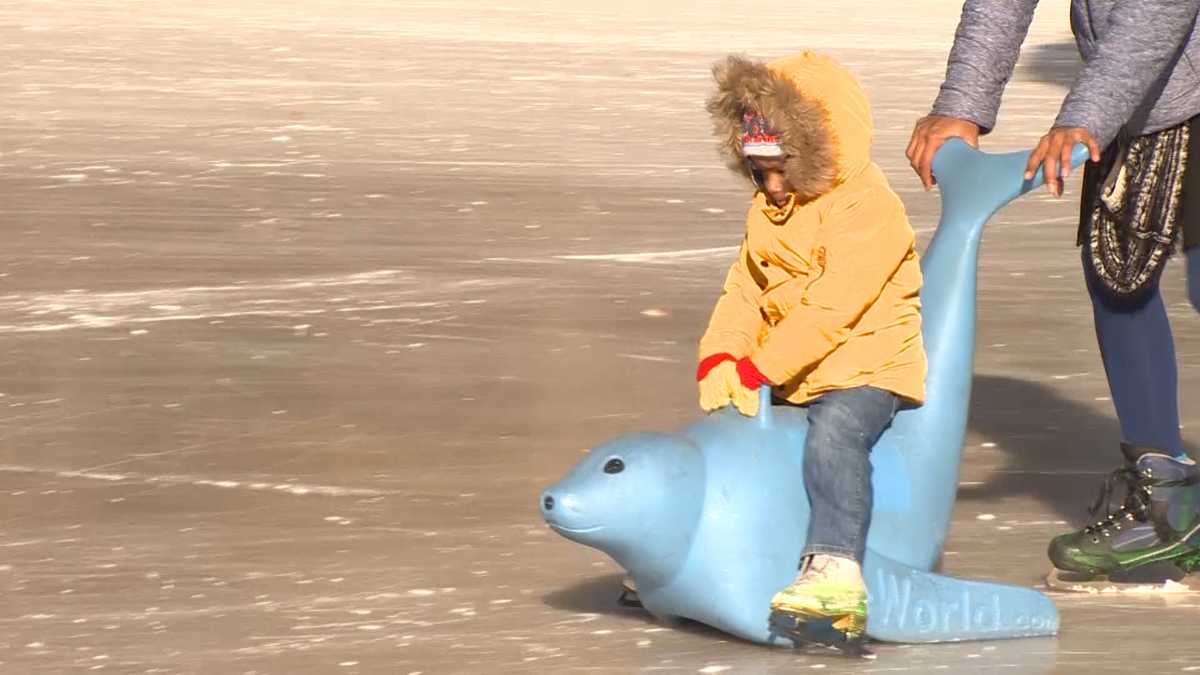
column 759, row 138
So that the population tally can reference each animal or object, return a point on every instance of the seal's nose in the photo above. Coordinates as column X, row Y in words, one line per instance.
column 548, row 503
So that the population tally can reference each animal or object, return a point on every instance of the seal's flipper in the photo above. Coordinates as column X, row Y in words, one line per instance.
column 977, row 184
column 909, row 605
column 974, row 185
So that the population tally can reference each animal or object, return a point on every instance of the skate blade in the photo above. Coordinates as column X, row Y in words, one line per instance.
column 1078, row 582
column 817, row 635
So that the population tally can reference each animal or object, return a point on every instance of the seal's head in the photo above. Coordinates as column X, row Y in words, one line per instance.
column 637, row 498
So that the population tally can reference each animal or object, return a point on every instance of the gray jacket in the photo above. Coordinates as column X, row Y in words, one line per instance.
column 1141, row 66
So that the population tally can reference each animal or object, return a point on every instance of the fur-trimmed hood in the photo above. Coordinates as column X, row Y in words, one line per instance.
column 816, row 105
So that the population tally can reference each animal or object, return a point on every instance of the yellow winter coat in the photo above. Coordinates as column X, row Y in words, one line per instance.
column 823, row 294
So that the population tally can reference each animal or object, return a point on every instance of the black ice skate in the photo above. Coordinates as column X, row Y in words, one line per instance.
column 1159, row 521
column 629, row 594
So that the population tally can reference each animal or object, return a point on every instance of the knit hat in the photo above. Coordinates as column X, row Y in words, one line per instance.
column 759, row 138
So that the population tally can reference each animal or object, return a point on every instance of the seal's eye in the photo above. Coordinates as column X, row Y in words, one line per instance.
column 614, row 465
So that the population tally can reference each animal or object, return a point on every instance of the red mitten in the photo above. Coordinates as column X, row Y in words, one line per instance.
column 710, row 362
column 746, row 398
column 750, row 375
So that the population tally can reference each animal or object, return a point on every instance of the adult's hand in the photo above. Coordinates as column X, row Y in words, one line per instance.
column 1054, row 151
column 928, row 136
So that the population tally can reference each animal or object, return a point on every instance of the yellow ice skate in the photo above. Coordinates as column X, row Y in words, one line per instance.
column 829, row 590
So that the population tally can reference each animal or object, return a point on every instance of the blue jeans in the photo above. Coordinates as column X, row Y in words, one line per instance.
column 843, row 426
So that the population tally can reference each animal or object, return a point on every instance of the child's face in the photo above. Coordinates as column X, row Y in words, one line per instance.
column 774, row 181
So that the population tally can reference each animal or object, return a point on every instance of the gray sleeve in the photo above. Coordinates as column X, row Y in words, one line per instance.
column 1142, row 39
column 986, row 46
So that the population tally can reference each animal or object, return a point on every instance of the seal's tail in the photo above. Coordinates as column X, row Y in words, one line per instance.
column 908, row 605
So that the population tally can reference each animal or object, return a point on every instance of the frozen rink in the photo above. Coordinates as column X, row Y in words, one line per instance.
column 303, row 303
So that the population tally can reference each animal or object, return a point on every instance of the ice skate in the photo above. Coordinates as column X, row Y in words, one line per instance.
column 826, row 606
column 629, row 594
column 1158, row 522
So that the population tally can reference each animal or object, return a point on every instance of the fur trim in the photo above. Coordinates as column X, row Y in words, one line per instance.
column 802, row 121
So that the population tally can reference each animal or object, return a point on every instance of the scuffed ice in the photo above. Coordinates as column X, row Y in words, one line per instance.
column 301, row 304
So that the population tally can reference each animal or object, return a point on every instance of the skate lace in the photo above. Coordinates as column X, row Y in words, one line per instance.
column 1133, row 507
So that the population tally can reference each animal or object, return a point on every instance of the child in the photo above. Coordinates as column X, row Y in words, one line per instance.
column 821, row 303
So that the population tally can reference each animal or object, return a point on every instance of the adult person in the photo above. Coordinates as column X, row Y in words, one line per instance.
column 1136, row 105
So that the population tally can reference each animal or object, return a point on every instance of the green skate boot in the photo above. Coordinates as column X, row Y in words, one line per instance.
column 825, row 606
column 1158, row 521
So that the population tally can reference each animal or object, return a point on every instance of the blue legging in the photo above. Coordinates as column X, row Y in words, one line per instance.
column 1139, row 358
